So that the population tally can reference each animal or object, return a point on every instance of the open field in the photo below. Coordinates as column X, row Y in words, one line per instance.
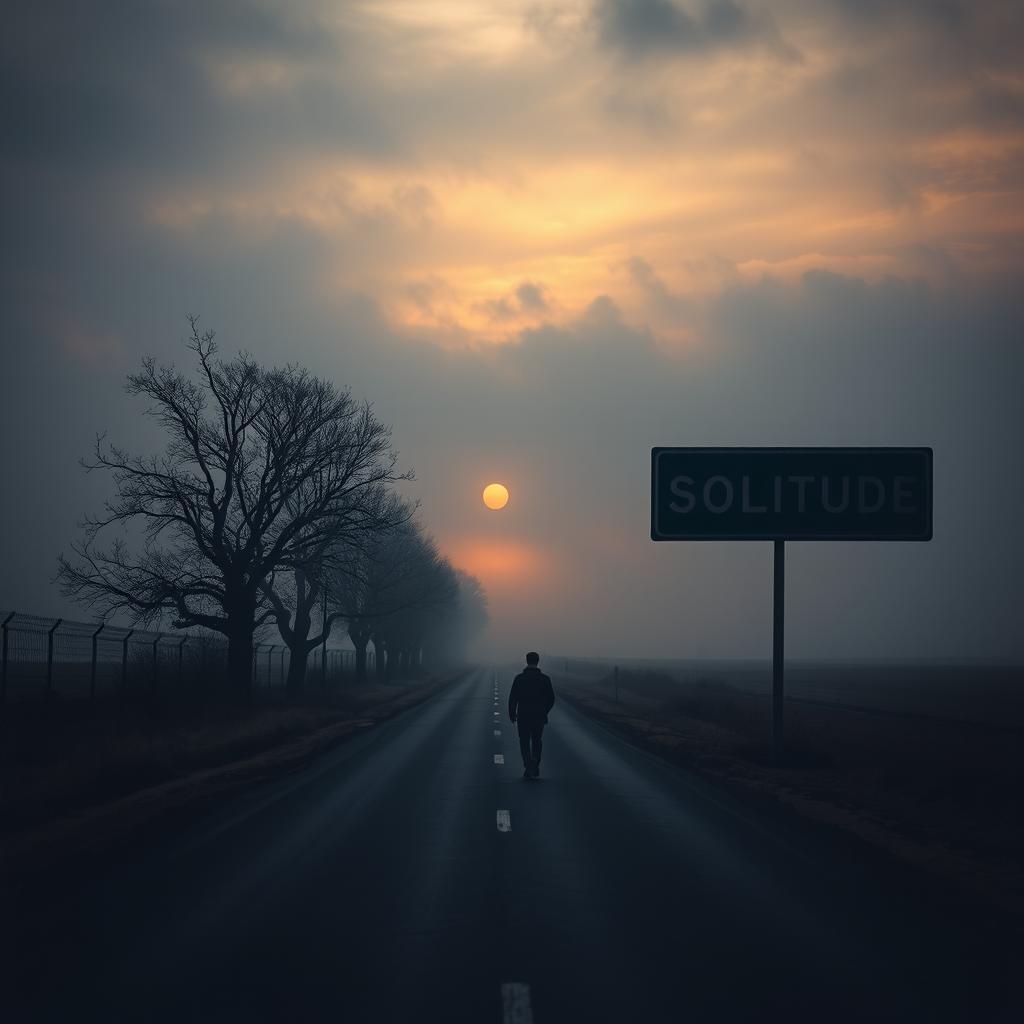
column 938, row 786
column 989, row 694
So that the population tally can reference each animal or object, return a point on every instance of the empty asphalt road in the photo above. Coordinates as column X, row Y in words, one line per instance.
column 411, row 875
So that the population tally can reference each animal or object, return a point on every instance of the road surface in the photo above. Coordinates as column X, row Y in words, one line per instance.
column 409, row 876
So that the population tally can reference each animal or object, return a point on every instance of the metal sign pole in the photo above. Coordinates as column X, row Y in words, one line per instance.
column 780, row 494
column 3, row 684
column 778, row 648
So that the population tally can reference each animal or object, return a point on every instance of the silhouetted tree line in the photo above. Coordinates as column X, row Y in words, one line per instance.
column 272, row 502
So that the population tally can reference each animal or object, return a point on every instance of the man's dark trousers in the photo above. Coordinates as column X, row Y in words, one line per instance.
column 530, row 732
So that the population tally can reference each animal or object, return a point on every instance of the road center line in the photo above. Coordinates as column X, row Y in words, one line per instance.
column 504, row 821
column 497, row 732
column 515, row 1003
column 499, row 758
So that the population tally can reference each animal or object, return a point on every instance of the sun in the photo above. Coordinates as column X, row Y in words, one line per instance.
column 495, row 496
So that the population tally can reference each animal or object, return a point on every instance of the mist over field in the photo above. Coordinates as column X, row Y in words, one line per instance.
column 541, row 239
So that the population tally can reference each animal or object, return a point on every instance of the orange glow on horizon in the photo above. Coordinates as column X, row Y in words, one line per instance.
column 497, row 563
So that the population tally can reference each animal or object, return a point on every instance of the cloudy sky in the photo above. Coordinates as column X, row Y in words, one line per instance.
column 541, row 238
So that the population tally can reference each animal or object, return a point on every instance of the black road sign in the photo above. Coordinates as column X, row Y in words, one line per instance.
column 791, row 493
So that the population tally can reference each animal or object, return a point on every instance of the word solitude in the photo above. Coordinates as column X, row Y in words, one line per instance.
column 799, row 493
column 791, row 493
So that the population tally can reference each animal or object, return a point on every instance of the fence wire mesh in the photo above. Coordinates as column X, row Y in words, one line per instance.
column 45, row 658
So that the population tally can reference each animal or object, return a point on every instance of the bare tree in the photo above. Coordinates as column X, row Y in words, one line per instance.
column 262, row 470
column 310, row 585
column 375, row 585
column 459, row 622
column 426, row 595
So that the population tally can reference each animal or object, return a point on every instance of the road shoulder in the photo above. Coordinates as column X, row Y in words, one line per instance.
column 807, row 795
column 76, row 842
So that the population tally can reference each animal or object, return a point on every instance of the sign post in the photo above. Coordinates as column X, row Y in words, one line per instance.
column 780, row 494
column 778, row 646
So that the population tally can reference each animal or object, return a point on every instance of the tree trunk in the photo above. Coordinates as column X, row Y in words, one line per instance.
column 297, row 668
column 360, row 638
column 239, row 679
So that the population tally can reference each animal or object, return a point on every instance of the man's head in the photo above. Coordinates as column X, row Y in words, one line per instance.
column 532, row 658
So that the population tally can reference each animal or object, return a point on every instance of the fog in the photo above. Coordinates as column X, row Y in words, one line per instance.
column 542, row 239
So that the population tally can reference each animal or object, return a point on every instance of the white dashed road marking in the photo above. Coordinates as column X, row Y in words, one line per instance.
column 504, row 821
column 499, row 758
column 497, row 732
column 515, row 1003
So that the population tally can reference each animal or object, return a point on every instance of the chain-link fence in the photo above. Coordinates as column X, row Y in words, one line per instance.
column 44, row 658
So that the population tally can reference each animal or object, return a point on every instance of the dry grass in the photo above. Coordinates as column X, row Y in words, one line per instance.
column 940, row 793
column 55, row 760
column 119, row 781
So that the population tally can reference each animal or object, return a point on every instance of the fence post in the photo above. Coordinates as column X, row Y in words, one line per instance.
column 3, row 682
column 92, row 670
column 323, row 652
column 255, row 666
column 152, row 684
column 124, row 663
column 49, row 657
column 270, row 668
column 283, row 649
column 181, row 646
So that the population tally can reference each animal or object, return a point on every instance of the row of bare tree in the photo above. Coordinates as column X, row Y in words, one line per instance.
column 272, row 502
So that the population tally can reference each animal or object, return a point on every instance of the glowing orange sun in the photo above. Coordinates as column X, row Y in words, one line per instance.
column 495, row 496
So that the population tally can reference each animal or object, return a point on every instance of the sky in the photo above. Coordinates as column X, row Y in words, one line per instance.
column 542, row 238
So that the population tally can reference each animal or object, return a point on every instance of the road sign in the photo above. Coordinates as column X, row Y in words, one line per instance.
column 791, row 494
column 782, row 494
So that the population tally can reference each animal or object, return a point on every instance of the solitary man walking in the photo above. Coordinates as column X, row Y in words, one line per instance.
column 529, row 701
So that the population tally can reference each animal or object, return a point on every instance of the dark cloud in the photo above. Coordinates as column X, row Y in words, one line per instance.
column 641, row 28
column 528, row 299
column 499, row 309
column 97, row 81
column 950, row 38
column 663, row 299
column 952, row 14
column 531, row 297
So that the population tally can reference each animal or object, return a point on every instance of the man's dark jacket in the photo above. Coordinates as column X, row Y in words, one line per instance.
column 531, row 696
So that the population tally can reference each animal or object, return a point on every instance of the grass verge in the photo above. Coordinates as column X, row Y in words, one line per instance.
column 75, row 785
column 940, row 795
